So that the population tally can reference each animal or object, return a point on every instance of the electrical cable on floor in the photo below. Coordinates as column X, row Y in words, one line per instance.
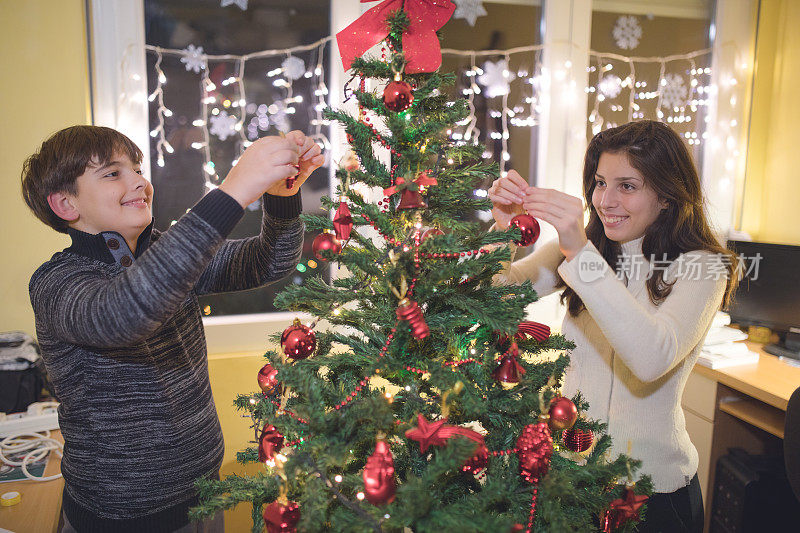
column 39, row 444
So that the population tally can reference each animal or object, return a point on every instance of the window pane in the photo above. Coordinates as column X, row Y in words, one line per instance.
column 651, row 62
column 498, row 86
column 276, row 93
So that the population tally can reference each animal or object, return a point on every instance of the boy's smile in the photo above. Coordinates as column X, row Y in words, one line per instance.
column 114, row 196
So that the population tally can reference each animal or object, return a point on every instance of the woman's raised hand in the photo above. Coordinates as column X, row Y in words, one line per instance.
column 563, row 212
column 507, row 195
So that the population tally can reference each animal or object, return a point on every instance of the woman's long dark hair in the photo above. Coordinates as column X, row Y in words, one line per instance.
column 661, row 157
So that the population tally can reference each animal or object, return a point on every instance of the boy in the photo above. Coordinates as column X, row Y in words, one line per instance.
column 119, row 324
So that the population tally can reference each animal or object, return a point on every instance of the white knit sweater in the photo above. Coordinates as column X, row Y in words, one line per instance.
column 632, row 358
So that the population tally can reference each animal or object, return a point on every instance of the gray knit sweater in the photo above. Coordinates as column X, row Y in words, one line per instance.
column 122, row 338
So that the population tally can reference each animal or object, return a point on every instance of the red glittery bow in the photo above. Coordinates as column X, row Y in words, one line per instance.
column 420, row 43
column 422, row 180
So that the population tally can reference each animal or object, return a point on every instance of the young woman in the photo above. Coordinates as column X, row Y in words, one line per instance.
column 642, row 280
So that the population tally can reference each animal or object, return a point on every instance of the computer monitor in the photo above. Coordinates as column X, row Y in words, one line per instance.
column 769, row 292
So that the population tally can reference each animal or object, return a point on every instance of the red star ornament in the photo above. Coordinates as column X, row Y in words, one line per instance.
column 622, row 510
column 427, row 433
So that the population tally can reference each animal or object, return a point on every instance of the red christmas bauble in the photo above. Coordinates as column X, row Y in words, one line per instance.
column 477, row 462
column 267, row 379
column 535, row 447
column 298, row 341
column 563, row 413
column 326, row 242
column 379, row 482
column 281, row 518
column 529, row 227
column 577, row 440
column 397, row 96
column 270, row 443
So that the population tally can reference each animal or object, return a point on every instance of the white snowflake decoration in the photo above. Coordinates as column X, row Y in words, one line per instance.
column 223, row 125
column 241, row 3
column 496, row 78
column 673, row 91
column 610, row 86
column 293, row 67
column 627, row 32
column 193, row 58
column 469, row 10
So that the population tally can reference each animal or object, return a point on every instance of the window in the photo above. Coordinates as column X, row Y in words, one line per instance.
column 651, row 60
column 204, row 112
column 496, row 62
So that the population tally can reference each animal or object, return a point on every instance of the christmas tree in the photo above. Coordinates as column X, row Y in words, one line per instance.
column 428, row 405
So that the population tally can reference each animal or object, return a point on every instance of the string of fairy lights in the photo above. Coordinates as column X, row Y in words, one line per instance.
column 502, row 89
column 224, row 118
column 669, row 98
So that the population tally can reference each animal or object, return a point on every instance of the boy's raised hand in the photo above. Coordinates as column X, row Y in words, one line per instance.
column 267, row 163
column 311, row 158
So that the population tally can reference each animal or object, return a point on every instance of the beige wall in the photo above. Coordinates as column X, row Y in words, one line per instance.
column 45, row 87
column 772, row 189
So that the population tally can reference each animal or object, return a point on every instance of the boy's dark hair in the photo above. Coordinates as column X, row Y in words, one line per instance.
column 62, row 159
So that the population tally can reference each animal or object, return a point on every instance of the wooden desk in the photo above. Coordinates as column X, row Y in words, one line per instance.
column 742, row 406
column 40, row 508
column 771, row 380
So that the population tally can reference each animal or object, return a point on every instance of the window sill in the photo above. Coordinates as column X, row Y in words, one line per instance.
column 246, row 333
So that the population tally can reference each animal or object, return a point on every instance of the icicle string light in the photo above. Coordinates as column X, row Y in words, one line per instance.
column 515, row 105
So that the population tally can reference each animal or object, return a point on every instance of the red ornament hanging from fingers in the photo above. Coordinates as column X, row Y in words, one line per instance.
column 529, row 227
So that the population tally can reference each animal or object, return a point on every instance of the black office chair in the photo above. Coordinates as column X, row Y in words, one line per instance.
column 791, row 442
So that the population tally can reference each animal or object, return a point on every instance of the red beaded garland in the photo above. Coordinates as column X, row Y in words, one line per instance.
column 363, row 382
column 477, row 462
